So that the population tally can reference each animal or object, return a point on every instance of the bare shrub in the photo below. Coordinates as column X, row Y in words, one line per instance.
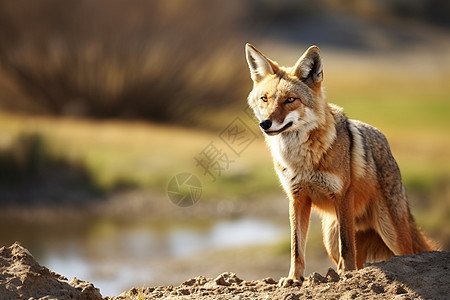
column 149, row 59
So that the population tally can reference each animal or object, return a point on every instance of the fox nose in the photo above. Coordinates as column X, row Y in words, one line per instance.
column 265, row 124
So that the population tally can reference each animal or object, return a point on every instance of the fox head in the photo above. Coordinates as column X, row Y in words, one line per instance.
column 286, row 99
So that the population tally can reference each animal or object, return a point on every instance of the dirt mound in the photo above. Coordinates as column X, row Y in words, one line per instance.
column 21, row 277
column 420, row 276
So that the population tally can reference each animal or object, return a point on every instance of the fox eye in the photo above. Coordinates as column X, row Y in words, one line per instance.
column 263, row 98
column 290, row 100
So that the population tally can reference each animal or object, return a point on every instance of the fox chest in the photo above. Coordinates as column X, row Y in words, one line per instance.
column 298, row 173
column 318, row 185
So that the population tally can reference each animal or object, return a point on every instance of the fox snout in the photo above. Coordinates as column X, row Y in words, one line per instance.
column 265, row 124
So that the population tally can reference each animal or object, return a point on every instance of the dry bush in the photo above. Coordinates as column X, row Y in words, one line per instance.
column 149, row 59
column 168, row 60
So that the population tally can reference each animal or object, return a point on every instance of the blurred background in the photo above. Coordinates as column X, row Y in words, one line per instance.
column 103, row 102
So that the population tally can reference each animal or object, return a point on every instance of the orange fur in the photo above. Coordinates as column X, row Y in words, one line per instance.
column 342, row 168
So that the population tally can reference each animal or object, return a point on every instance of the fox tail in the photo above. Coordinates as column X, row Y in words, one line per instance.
column 419, row 241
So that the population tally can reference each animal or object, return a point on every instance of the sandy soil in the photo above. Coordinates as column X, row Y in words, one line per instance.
column 21, row 277
column 420, row 276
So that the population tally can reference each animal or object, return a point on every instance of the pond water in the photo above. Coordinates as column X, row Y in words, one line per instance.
column 116, row 257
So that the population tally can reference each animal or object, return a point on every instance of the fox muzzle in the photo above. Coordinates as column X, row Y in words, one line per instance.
column 265, row 124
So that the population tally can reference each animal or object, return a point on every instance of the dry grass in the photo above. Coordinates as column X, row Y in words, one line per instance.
column 104, row 59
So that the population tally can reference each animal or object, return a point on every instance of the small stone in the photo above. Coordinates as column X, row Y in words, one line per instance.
column 400, row 290
column 332, row 276
column 378, row 289
column 185, row 292
column 220, row 280
column 249, row 283
column 201, row 280
column 227, row 279
column 317, row 278
column 189, row 282
column 269, row 280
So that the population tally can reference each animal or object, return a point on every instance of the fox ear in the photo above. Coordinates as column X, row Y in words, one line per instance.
column 260, row 66
column 309, row 67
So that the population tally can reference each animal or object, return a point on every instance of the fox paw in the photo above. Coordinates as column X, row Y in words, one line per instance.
column 287, row 282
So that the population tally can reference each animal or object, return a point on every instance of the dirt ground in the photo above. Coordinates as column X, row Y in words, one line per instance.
column 21, row 277
column 420, row 276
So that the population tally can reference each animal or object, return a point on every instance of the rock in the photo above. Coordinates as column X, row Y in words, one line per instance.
column 332, row 276
column 220, row 280
column 400, row 290
column 184, row 292
column 316, row 278
column 197, row 281
column 227, row 279
column 378, row 289
column 269, row 280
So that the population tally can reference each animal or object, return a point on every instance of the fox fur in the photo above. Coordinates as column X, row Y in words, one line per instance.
column 342, row 168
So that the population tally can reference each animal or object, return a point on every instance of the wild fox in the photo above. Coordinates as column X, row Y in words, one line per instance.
column 343, row 168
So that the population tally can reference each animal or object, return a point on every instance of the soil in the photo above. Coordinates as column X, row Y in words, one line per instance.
column 420, row 276
column 21, row 277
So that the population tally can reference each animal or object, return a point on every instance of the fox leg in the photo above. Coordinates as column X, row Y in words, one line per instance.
column 299, row 213
column 346, row 221
column 362, row 243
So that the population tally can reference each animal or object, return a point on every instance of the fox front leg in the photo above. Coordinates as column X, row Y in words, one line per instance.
column 299, row 212
column 347, row 245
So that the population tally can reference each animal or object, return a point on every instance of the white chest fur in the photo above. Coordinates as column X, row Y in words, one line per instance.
column 297, row 166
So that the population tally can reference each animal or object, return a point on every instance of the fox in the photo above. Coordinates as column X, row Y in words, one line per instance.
column 341, row 168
